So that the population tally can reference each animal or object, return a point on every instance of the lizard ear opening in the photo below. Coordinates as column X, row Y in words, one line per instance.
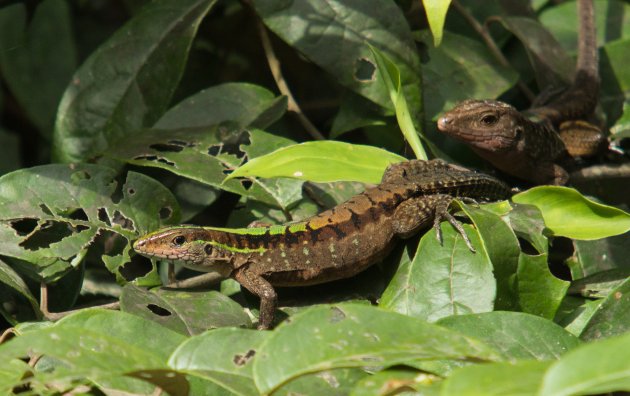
column 518, row 132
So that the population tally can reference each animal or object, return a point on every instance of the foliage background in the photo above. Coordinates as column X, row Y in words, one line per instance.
column 119, row 117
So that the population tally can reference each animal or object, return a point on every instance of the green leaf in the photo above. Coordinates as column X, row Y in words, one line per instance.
column 588, row 220
column 353, row 335
column 187, row 312
column 223, row 356
column 128, row 82
column 519, row 378
column 612, row 316
column 321, row 161
column 95, row 344
column 394, row 381
column 50, row 215
column 37, row 61
column 247, row 105
column 11, row 374
column 575, row 312
column 390, row 74
column 515, row 335
column 436, row 14
column 460, row 68
column 337, row 382
column 528, row 223
column 206, row 154
column 539, row 291
column 594, row 368
column 453, row 281
column 593, row 257
column 503, row 251
column 332, row 34
column 12, row 279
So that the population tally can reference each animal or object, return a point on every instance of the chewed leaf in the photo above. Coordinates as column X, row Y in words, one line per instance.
column 321, row 161
column 50, row 215
column 588, row 220
column 206, row 155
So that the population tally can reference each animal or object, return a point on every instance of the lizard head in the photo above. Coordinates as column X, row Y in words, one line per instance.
column 484, row 124
column 185, row 245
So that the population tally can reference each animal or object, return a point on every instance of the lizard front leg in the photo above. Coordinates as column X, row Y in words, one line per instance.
column 261, row 288
column 418, row 212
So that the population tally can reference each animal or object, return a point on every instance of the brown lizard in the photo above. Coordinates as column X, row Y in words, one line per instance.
column 539, row 145
column 334, row 244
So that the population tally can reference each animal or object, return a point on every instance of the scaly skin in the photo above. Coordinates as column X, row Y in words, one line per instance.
column 539, row 145
column 334, row 244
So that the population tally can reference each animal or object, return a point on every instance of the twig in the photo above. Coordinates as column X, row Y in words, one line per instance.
column 54, row 316
column 605, row 171
column 197, row 281
column 8, row 333
column 492, row 46
column 274, row 66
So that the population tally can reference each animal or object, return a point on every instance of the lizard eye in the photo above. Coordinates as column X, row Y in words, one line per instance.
column 489, row 119
column 208, row 249
column 179, row 240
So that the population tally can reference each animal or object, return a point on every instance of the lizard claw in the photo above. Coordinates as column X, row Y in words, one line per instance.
column 456, row 224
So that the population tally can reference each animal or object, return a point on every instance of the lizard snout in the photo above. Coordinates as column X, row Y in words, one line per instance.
column 443, row 122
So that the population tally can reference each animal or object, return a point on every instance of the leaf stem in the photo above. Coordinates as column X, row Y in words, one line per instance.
column 276, row 71
column 482, row 30
column 54, row 316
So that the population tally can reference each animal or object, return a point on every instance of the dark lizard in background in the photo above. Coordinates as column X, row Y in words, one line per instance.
column 539, row 145
column 334, row 244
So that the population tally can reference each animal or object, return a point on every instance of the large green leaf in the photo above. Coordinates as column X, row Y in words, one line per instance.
column 50, row 215
column 128, row 82
column 321, row 161
column 612, row 316
column 516, row 335
column 353, row 335
column 588, row 219
column 594, row 368
column 245, row 104
column 187, row 312
column 333, row 35
column 443, row 279
column 37, row 61
column 436, row 14
column 539, row 291
column 520, row 378
column 95, row 345
column 223, row 356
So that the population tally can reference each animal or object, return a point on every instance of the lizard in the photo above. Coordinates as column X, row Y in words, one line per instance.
column 541, row 144
column 335, row 244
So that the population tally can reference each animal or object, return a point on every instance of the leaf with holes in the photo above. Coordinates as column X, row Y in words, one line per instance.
column 128, row 82
column 207, row 155
column 332, row 34
column 187, row 312
column 223, row 356
column 51, row 215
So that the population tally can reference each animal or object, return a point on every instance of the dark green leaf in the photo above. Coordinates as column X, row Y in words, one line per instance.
column 397, row 380
column 12, row 279
column 187, row 312
column 207, row 155
column 443, row 279
column 50, row 215
column 128, row 82
column 353, row 335
column 593, row 257
column 11, row 374
column 612, row 316
column 539, row 291
column 516, row 335
column 245, row 104
column 334, row 35
column 37, row 62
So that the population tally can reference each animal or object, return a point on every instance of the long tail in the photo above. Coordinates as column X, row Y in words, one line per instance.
column 587, row 60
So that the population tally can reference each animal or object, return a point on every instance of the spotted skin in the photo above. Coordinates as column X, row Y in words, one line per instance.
column 335, row 244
